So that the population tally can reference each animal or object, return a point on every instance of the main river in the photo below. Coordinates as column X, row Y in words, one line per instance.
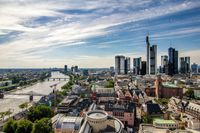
column 12, row 102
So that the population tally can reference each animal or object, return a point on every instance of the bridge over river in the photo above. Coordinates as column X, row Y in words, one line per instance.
column 13, row 99
column 57, row 78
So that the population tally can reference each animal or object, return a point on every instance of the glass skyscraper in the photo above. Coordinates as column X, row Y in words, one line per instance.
column 173, row 61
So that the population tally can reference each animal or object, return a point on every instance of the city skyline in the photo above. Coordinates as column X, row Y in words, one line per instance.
column 90, row 34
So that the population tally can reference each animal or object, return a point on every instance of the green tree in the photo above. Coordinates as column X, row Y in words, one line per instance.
column 162, row 101
column 8, row 113
column 189, row 93
column 2, row 115
column 10, row 126
column 24, row 126
column 109, row 84
column 38, row 112
column 42, row 126
column 23, row 106
column 147, row 119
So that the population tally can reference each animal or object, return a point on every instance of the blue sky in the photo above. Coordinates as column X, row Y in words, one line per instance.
column 89, row 33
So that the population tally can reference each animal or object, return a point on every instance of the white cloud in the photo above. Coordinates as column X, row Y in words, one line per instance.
column 69, row 29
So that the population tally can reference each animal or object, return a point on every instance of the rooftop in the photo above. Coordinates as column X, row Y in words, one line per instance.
column 153, row 108
column 169, row 85
column 97, row 114
column 162, row 121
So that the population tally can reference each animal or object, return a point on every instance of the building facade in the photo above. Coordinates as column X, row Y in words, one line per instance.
column 148, row 54
column 166, row 89
column 119, row 65
column 153, row 59
column 151, row 65
column 137, row 66
column 173, row 61
column 143, row 70
column 125, row 113
column 194, row 68
column 127, row 65
column 184, row 65
column 164, row 64
column 65, row 68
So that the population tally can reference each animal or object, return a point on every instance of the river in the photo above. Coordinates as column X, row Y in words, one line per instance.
column 12, row 102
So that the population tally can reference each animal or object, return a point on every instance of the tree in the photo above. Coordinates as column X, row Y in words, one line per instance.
column 189, row 93
column 162, row 101
column 2, row 115
column 10, row 126
column 147, row 119
column 8, row 113
column 38, row 112
column 23, row 106
column 109, row 84
column 42, row 126
column 24, row 126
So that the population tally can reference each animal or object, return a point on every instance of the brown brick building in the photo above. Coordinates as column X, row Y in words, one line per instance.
column 167, row 89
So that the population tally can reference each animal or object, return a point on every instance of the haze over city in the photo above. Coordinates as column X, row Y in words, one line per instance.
column 49, row 33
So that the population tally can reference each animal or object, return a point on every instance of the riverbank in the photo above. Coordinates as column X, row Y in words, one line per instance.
column 12, row 102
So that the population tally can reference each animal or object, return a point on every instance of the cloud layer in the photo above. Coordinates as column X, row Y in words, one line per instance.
column 48, row 33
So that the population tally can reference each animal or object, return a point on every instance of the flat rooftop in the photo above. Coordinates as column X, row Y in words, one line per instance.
column 162, row 121
column 169, row 85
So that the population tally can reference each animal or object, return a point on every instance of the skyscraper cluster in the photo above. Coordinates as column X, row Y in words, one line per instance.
column 122, row 65
column 169, row 63
column 74, row 69
column 184, row 65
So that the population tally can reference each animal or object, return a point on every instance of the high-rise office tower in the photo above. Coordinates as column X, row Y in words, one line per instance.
column 184, row 65
column 148, row 48
column 143, row 70
column 151, row 65
column 65, row 68
column 164, row 64
column 194, row 68
column 112, row 69
column 75, row 69
column 72, row 68
column 127, row 65
column 173, row 61
column 137, row 66
column 187, row 64
column 176, row 62
column 153, row 59
column 119, row 65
